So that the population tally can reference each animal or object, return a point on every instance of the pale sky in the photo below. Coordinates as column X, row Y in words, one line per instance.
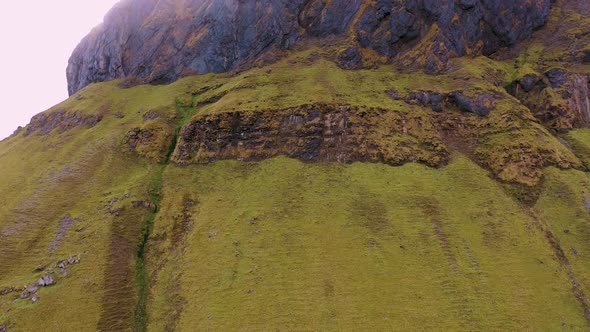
column 37, row 38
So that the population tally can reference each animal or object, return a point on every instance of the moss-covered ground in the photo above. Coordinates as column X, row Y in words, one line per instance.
column 284, row 245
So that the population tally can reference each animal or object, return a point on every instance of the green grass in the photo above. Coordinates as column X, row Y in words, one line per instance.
column 155, row 188
column 281, row 244
column 565, row 205
column 286, row 245
column 579, row 141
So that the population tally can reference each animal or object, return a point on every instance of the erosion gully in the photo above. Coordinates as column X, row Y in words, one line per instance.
column 155, row 195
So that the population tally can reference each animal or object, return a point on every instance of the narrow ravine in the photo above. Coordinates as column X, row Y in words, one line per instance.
column 155, row 194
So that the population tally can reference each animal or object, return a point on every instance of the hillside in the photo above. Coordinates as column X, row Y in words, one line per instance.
column 289, row 191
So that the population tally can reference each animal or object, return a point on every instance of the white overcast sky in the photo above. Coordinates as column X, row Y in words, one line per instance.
column 37, row 38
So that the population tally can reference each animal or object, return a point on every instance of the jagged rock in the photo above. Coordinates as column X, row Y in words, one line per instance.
column 73, row 260
column 150, row 115
column 350, row 58
column 427, row 99
column 148, row 41
column 557, row 77
column 480, row 104
column 560, row 99
column 530, row 82
column 3, row 328
column 46, row 280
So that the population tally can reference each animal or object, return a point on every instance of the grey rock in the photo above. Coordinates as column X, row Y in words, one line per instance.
column 427, row 99
column 7, row 290
column 480, row 104
column 575, row 251
column 146, row 41
column 557, row 77
column 32, row 288
column 46, row 280
column 529, row 82
column 587, row 202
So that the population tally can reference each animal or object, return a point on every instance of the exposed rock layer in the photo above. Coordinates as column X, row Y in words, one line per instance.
column 345, row 134
column 159, row 41
column 326, row 133
column 44, row 123
column 560, row 99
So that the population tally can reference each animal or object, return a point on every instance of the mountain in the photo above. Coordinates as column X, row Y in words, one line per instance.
column 160, row 41
column 308, row 165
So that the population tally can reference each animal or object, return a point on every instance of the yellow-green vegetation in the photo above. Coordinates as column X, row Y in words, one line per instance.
column 282, row 244
column 579, row 140
column 286, row 245
column 565, row 205
column 45, row 178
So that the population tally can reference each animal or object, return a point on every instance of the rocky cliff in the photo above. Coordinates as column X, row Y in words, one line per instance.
column 357, row 165
column 160, row 41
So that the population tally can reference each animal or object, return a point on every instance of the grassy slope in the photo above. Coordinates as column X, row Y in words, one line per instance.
column 77, row 172
column 282, row 244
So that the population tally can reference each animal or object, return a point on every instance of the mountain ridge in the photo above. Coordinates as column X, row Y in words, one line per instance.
column 160, row 41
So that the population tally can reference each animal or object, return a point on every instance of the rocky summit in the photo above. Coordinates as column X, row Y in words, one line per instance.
column 160, row 41
column 226, row 165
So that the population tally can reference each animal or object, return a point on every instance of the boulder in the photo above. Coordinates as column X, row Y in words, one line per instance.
column 45, row 281
column 480, row 104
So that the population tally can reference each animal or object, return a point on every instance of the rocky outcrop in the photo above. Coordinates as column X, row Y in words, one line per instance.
column 150, row 141
column 160, row 41
column 44, row 123
column 476, row 102
column 560, row 99
column 326, row 133
column 492, row 129
column 46, row 281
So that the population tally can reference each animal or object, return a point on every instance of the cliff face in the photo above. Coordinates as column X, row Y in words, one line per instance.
column 423, row 190
column 159, row 41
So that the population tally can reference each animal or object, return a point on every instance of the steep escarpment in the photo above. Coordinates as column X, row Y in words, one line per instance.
column 160, row 41
column 216, row 201
column 368, row 165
